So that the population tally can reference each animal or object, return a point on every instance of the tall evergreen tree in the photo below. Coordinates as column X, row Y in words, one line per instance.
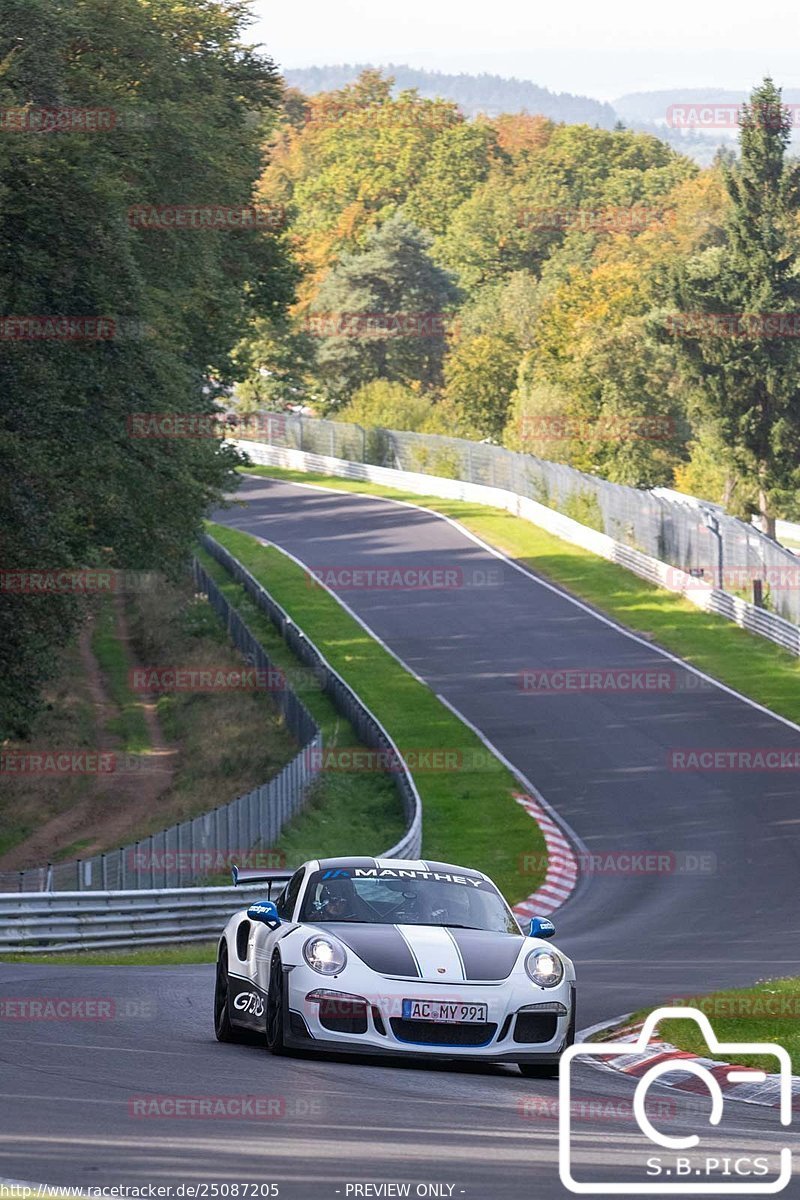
column 381, row 313
column 743, row 358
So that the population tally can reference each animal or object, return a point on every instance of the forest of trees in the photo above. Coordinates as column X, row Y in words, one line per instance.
column 557, row 257
column 99, row 103
column 556, row 288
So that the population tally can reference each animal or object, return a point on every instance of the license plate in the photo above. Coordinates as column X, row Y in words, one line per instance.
column 445, row 1011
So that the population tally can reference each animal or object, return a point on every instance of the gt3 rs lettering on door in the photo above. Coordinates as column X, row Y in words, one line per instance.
column 248, row 1004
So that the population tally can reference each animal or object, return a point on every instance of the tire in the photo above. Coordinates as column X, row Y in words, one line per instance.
column 550, row 1070
column 276, row 1016
column 224, row 1030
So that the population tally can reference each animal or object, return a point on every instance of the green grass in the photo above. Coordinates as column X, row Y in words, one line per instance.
column 768, row 1012
column 747, row 663
column 145, row 956
column 112, row 657
column 469, row 814
column 346, row 813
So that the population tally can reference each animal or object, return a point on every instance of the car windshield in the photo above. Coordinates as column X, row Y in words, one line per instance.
column 387, row 896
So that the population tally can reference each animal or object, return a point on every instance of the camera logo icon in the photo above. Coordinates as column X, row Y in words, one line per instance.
column 670, row 1165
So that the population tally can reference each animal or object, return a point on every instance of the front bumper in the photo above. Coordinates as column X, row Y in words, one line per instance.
column 381, row 1029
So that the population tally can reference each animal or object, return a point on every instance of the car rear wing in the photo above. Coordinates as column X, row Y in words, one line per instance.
column 244, row 876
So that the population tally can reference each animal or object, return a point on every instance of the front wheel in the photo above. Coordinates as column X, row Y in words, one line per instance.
column 275, row 1008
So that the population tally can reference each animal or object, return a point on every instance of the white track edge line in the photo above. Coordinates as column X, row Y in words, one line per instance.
column 551, row 587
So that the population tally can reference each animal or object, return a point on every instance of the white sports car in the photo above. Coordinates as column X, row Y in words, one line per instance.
column 389, row 957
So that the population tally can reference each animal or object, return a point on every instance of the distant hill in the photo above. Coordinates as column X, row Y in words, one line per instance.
column 646, row 112
column 489, row 94
column 653, row 106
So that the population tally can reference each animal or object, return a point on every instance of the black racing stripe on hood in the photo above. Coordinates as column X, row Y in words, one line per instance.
column 382, row 947
column 487, row 955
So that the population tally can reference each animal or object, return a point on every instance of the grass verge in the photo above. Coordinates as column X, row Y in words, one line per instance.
column 347, row 812
column 469, row 814
column 767, row 1012
column 745, row 662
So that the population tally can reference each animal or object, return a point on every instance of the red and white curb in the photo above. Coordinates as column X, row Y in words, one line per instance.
column 763, row 1091
column 562, row 865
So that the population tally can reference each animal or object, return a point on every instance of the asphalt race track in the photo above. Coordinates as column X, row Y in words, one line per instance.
column 728, row 917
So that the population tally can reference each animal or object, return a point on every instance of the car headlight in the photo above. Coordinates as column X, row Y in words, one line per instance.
column 545, row 968
column 324, row 955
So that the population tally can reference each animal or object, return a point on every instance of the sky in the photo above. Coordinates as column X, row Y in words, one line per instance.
column 581, row 46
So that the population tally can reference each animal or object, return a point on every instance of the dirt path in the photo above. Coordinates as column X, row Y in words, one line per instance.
column 117, row 803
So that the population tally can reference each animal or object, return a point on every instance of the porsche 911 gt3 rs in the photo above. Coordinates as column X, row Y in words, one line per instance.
column 391, row 957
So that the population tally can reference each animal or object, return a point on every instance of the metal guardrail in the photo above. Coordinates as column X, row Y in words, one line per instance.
column 194, row 851
column 659, row 522
column 700, row 593
column 48, row 921
column 367, row 726
column 53, row 922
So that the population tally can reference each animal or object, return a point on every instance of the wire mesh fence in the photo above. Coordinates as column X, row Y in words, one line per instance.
column 694, row 536
column 369, row 730
column 198, row 850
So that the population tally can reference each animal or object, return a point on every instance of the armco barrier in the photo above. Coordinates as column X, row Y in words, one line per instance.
column 252, row 821
column 690, row 534
column 50, row 922
column 369, row 729
column 756, row 620
column 255, row 819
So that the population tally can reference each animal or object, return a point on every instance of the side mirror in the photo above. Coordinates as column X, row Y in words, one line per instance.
column 541, row 928
column 265, row 912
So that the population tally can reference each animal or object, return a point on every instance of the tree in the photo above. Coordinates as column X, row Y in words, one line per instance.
column 358, row 156
column 744, row 360
column 388, row 406
column 76, row 489
column 480, row 377
column 382, row 313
